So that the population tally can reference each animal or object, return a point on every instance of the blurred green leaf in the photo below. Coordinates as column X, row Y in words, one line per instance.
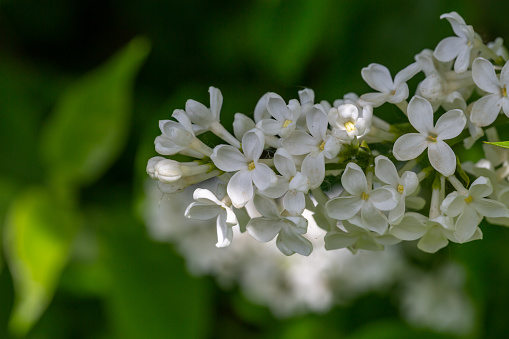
column 504, row 144
column 90, row 122
column 153, row 296
column 38, row 233
column 392, row 329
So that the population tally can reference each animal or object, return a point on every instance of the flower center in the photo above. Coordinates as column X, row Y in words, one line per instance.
column 251, row 166
column 286, row 123
column 469, row 199
column 226, row 201
column 504, row 92
column 349, row 126
column 401, row 189
column 365, row 196
column 432, row 137
column 322, row 146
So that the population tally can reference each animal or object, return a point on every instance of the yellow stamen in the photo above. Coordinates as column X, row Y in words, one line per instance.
column 401, row 189
column 469, row 199
column 504, row 92
column 286, row 123
column 349, row 126
column 432, row 138
column 364, row 196
column 322, row 146
column 251, row 166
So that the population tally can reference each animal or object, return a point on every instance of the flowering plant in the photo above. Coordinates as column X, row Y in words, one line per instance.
column 361, row 177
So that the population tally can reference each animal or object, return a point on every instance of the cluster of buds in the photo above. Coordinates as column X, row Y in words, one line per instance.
column 366, row 182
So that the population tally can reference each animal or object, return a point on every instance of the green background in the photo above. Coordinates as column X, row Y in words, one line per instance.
column 82, row 87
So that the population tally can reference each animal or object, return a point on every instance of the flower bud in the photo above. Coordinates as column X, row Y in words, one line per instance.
column 168, row 170
column 152, row 162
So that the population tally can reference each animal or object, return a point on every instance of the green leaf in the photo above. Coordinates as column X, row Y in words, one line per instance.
column 504, row 144
column 38, row 233
column 90, row 122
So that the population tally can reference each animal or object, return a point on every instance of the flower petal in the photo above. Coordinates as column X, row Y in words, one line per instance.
column 228, row 158
column 241, row 125
column 373, row 219
column 338, row 239
column 263, row 176
column 270, row 126
column 313, row 167
column 442, row 157
column 201, row 211
column 420, row 114
column 486, row 110
column 296, row 243
column 411, row 227
column 216, row 101
column 466, row 224
column 463, row 60
column 240, row 188
column 375, row 99
column 400, row 94
column 299, row 143
column 450, row 124
column 490, row 208
column 378, row 77
column 277, row 107
column 410, row 146
column 383, row 198
column 407, row 73
column 480, row 188
column 294, row 202
column 266, row 207
column 224, row 233
column 343, row 208
column 252, row 144
column 484, row 76
column 433, row 240
column 448, row 48
column 316, row 121
column 385, row 170
column 264, row 229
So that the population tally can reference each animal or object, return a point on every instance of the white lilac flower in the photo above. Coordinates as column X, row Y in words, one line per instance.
column 292, row 185
column 470, row 206
column 241, row 125
column 317, row 146
column 385, row 170
column 498, row 48
column 217, row 205
column 355, row 237
column 182, row 133
column 285, row 116
column 272, row 223
column 248, row 169
column 487, row 108
column 362, row 199
column 379, row 78
column 448, row 126
column 347, row 123
column 458, row 47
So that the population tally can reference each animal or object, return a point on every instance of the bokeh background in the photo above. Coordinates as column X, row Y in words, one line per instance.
column 83, row 84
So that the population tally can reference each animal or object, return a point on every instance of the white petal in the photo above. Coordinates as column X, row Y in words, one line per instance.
column 410, row 146
column 433, row 240
column 313, row 167
column 299, row 183
column 241, row 125
column 454, row 207
column 480, row 188
column 375, row 99
column 448, row 48
column 343, row 208
column 410, row 182
column 299, row 143
column 396, row 214
column 338, row 239
column 385, row 170
column 420, row 114
column 316, row 121
column 264, row 229
column 407, row 73
column 490, row 208
column 228, row 158
column 450, row 124
column 240, row 188
column 263, row 176
column 260, row 111
column 466, row 225
column 486, row 110
column 411, row 227
column 283, row 161
column 306, row 96
column 383, row 198
column 463, row 60
column 294, row 202
column 216, row 101
column 198, row 113
column 484, row 76
column 205, row 196
column 266, row 207
column 270, row 126
column 278, row 190
column 442, row 157
column 295, row 242
column 253, row 143
column 373, row 219
column 378, row 77
column 277, row 107
column 354, row 180
column 202, row 211
column 224, row 233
